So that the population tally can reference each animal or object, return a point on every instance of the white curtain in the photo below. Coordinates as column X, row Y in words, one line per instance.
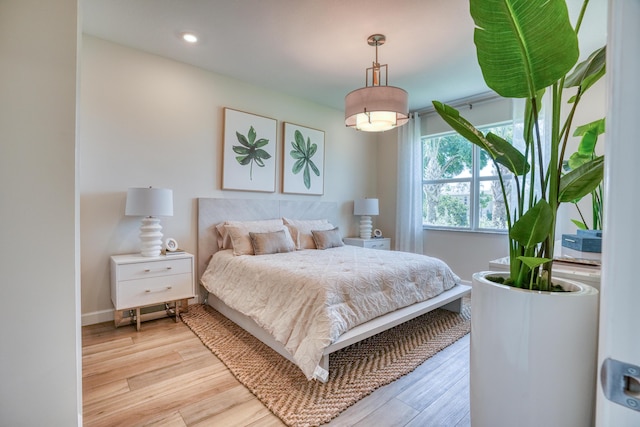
column 409, row 233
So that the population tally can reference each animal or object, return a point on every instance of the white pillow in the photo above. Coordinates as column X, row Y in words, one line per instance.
column 239, row 233
column 301, row 230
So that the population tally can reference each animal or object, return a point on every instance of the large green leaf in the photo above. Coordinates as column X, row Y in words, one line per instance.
column 597, row 127
column 587, row 146
column 499, row 149
column 534, row 226
column 523, row 45
column 507, row 154
column 581, row 181
column 460, row 124
column 592, row 67
column 533, row 262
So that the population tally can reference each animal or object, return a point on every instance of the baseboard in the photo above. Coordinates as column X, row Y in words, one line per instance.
column 108, row 315
column 97, row 317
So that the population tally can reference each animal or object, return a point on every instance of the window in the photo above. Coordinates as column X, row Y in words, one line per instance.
column 461, row 189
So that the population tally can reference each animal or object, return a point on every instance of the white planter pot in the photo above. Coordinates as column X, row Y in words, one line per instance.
column 533, row 355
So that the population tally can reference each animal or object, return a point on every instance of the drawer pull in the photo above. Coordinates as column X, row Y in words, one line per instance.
column 148, row 270
column 168, row 288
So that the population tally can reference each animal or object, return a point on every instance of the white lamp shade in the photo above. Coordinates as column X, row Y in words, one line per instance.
column 149, row 202
column 365, row 207
column 376, row 108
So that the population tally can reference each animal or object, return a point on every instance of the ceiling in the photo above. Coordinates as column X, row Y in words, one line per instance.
column 316, row 49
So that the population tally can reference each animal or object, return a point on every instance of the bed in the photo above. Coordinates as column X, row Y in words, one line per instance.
column 334, row 310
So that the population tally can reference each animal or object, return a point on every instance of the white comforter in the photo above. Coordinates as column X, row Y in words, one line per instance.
column 307, row 299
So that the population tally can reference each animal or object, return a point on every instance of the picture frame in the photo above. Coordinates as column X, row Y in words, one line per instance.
column 249, row 152
column 303, row 160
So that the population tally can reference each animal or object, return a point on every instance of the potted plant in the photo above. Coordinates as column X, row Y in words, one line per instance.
column 533, row 339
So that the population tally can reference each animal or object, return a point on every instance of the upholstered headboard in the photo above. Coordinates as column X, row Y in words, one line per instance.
column 214, row 211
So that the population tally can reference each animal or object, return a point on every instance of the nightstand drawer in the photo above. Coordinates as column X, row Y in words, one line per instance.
column 141, row 270
column 154, row 290
column 381, row 243
column 384, row 244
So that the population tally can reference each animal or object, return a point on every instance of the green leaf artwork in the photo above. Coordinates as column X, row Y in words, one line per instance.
column 250, row 150
column 302, row 153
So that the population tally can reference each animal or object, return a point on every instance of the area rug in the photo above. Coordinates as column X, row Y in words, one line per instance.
column 355, row 371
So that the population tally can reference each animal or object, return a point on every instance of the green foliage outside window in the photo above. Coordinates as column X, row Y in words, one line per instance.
column 449, row 183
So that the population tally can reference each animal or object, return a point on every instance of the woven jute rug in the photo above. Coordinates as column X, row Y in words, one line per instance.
column 354, row 372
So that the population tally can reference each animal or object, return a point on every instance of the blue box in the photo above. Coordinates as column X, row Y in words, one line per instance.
column 590, row 233
column 582, row 243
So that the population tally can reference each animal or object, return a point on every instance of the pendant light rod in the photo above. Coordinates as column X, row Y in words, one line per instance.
column 377, row 40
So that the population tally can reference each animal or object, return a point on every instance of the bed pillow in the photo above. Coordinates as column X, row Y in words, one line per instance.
column 239, row 233
column 275, row 242
column 301, row 230
column 326, row 239
column 224, row 241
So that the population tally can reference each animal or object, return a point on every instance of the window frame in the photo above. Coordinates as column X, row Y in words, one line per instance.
column 474, row 184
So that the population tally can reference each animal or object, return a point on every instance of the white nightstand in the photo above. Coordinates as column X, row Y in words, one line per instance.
column 382, row 243
column 138, row 281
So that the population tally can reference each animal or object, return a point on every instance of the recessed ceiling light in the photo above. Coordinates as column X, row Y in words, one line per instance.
column 189, row 37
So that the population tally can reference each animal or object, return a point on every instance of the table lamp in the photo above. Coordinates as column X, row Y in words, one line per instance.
column 150, row 203
column 365, row 208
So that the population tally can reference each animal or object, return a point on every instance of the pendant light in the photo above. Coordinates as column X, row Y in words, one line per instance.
column 376, row 107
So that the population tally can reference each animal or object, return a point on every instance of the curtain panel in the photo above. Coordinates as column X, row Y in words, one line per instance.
column 409, row 233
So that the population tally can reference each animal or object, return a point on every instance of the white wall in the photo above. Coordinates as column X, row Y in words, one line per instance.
column 387, row 182
column 39, row 321
column 146, row 120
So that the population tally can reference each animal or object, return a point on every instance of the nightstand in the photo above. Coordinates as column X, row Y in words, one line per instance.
column 382, row 243
column 138, row 281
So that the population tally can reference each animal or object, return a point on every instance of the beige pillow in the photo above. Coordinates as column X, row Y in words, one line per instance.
column 326, row 239
column 271, row 243
column 301, row 230
column 239, row 233
column 224, row 241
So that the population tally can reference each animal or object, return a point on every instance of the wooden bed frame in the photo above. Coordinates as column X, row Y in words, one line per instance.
column 213, row 211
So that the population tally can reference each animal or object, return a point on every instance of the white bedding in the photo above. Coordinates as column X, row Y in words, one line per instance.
column 306, row 299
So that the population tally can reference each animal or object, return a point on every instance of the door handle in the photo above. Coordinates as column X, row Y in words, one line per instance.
column 621, row 383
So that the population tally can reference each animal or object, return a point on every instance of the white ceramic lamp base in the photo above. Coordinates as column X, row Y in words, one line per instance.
column 365, row 227
column 150, row 236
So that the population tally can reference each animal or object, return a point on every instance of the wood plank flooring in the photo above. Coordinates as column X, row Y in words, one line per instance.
column 164, row 376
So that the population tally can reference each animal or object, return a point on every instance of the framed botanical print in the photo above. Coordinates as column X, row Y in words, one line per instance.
column 249, row 152
column 303, row 160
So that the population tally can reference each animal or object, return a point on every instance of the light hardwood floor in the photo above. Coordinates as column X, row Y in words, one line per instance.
column 164, row 376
